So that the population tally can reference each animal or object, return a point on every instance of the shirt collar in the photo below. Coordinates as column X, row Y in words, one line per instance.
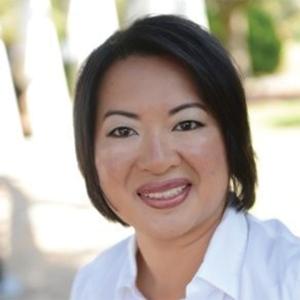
column 128, row 272
column 222, row 263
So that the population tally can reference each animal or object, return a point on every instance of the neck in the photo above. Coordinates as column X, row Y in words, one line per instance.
column 165, row 267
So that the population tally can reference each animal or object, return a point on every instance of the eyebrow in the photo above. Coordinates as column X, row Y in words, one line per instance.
column 121, row 113
column 172, row 112
column 176, row 109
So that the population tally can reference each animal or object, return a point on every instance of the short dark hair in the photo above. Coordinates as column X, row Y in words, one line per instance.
column 215, row 75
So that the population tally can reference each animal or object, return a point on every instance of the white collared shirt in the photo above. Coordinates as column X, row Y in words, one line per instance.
column 246, row 259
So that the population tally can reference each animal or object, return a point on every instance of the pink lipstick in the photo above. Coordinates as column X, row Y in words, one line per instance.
column 166, row 194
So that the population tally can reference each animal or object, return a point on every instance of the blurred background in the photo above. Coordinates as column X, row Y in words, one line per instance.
column 47, row 225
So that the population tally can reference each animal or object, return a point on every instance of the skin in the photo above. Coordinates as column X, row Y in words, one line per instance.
column 156, row 147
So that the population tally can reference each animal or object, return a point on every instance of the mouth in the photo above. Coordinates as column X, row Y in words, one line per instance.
column 167, row 194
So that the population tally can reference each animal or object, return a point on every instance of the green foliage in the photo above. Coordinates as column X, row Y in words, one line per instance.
column 215, row 24
column 8, row 14
column 121, row 6
column 4, row 6
column 263, row 41
column 276, row 114
column 59, row 13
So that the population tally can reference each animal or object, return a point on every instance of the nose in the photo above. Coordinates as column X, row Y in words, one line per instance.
column 158, row 154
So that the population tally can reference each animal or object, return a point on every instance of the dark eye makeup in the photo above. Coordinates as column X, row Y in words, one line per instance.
column 188, row 125
column 123, row 131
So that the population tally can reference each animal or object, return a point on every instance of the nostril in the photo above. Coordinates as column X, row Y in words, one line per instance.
column 158, row 160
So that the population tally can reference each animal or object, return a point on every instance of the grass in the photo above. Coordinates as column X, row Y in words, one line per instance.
column 275, row 127
column 276, row 114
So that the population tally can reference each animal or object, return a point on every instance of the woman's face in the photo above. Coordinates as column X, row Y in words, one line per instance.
column 159, row 153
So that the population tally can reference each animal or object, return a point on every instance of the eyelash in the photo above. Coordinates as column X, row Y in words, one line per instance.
column 196, row 124
column 117, row 130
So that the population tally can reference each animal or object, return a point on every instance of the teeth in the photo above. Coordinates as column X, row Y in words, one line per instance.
column 167, row 194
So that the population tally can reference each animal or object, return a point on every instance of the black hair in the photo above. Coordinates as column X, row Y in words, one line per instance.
column 215, row 76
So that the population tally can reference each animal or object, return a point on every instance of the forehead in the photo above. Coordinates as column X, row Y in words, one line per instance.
column 150, row 78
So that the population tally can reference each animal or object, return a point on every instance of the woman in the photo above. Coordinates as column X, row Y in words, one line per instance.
column 163, row 142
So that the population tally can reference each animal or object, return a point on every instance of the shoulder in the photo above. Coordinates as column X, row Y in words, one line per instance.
column 101, row 273
column 273, row 237
column 274, row 251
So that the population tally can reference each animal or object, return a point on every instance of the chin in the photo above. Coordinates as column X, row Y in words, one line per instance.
column 164, row 230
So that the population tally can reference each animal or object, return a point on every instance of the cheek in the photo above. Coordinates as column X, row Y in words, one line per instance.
column 207, row 157
column 113, row 162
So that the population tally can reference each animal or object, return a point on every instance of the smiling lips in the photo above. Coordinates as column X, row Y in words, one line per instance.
column 165, row 194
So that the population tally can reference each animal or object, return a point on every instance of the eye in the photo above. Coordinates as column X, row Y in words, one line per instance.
column 188, row 125
column 121, row 132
